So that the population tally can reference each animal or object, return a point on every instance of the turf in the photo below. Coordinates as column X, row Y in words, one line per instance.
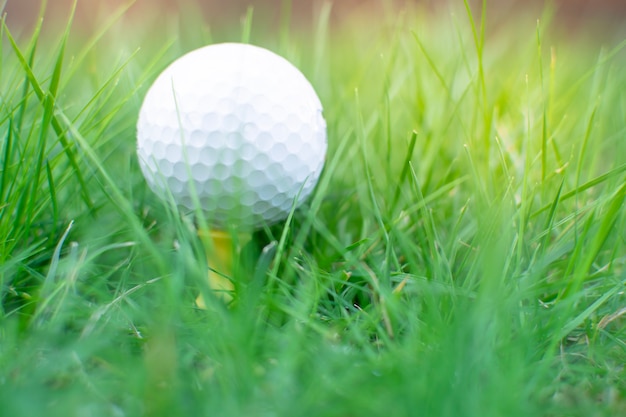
column 464, row 253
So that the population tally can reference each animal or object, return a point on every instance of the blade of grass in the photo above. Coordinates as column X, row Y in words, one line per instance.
column 247, row 25
column 479, row 43
column 12, row 263
column 33, row 189
column 608, row 220
column 58, row 66
column 321, row 39
column 577, row 321
column 445, row 189
column 2, row 22
column 31, row 59
column 437, row 257
column 47, row 291
column 49, row 106
column 53, row 197
column 585, row 144
column 405, row 171
column 370, row 184
column 476, row 176
column 6, row 161
column 60, row 132
column 545, row 102
column 524, row 207
column 615, row 172
column 285, row 23
column 551, row 94
column 432, row 65
column 550, row 220
column 281, row 248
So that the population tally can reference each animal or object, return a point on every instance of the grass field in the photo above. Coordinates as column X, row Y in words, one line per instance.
column 464, row 253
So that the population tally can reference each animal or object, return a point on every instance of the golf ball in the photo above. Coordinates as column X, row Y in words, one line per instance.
column 234, row 129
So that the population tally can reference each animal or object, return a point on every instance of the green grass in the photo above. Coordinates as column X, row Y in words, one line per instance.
column 464, row 253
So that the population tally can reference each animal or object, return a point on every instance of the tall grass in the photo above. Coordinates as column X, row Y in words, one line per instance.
column 463, row 255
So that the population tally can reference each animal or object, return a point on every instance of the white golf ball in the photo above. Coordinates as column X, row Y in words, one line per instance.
column 236, row 129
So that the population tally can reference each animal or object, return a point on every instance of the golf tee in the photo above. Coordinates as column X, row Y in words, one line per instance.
column 222, row 253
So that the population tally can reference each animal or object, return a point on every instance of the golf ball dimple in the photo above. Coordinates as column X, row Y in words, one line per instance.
column 236, row 125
